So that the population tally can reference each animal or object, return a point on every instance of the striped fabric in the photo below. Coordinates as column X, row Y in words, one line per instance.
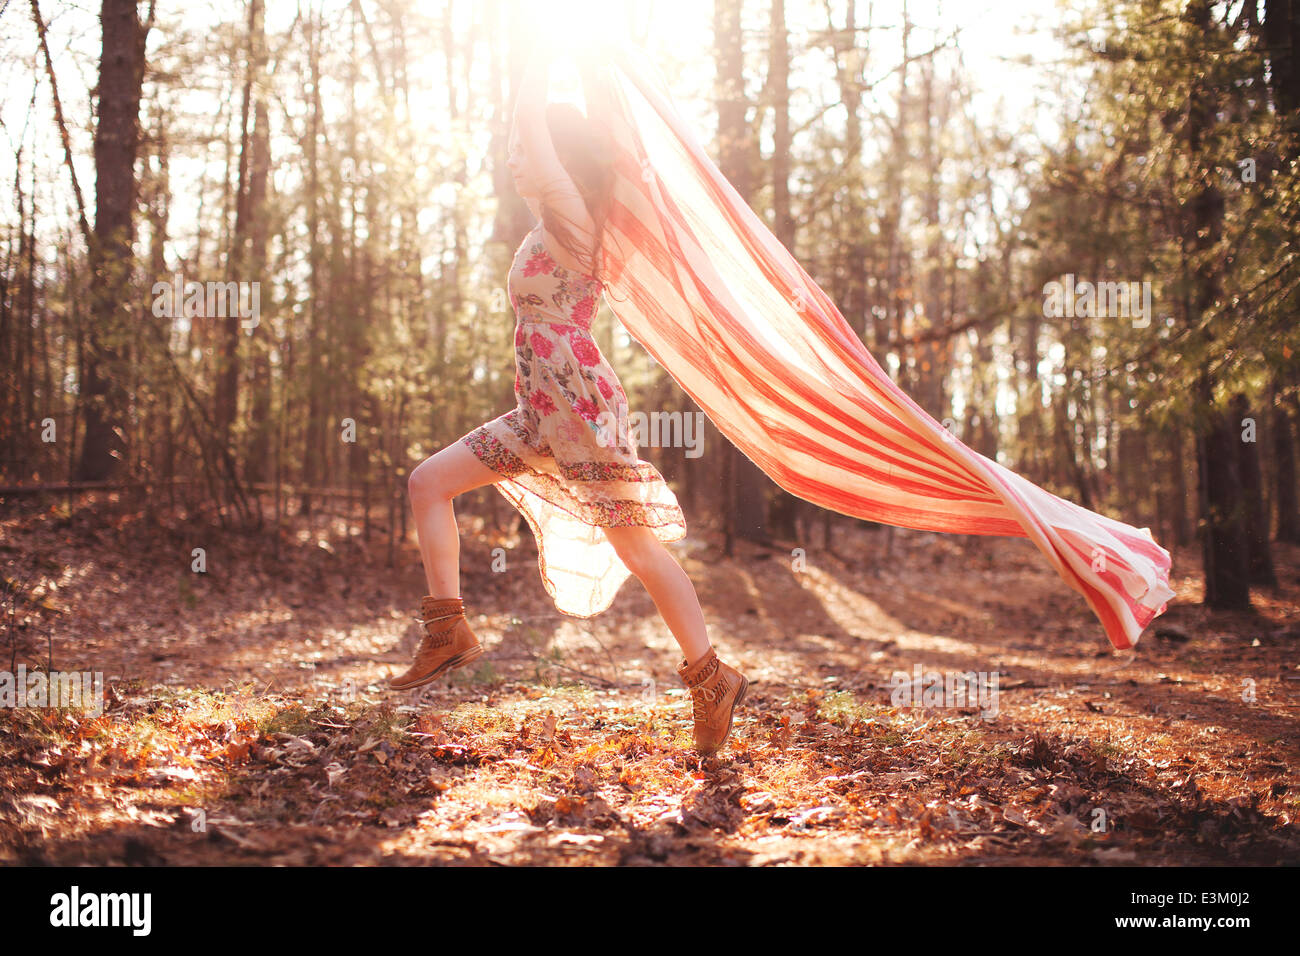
column 696, row 278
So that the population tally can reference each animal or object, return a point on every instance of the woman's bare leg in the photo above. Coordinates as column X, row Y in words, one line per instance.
column 434, row 482
column 669, row 586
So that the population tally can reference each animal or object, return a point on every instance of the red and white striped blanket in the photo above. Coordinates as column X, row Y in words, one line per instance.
column 697, row 278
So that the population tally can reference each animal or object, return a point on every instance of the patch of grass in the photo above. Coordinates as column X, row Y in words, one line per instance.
column 204, row 707
column 199, row 795
column 843, row 708
column 98, row 729
column 186, row 591
column 485, row 673
column 48, row 725
column 798, row 697
column 386, row 723
column 474, row 717
column 1108, row 749
column 790, row 774
column 129, row 686
column 140, row 734
column 292, row 720
column 574, row 693
column 964, row 748
column 682, row 738
column 1001, row 752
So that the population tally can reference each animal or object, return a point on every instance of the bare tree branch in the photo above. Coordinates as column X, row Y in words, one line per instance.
column 63, row 126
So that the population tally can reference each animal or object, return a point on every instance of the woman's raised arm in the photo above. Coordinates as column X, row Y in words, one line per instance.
column 557, row 192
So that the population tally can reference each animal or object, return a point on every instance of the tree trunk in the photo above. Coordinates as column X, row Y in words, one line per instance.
column 314, row 436
column 1252, row 498
column 785, row 507
column 1182, row 534
column 1224, row 541
column 747, row 489
column 263, row 339
column 1224, row 545
column 117, row 136
column 1284, row 472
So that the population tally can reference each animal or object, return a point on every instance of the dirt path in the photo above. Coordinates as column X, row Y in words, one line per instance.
column 249, row 722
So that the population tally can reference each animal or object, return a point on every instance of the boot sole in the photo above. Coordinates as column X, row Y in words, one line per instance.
column 450, row 664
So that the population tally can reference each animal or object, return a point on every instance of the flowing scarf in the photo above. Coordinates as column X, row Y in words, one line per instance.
column 695, row 276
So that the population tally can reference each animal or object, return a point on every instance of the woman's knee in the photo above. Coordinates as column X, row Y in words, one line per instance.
column 637, row 548
column 425, row 480
column 452, row 471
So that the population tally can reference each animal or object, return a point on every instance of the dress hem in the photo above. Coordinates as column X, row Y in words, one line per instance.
column 490, row 452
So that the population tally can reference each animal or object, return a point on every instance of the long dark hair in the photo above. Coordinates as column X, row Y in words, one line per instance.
column 586, row 153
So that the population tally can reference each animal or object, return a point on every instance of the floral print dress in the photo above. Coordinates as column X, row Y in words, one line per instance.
column 568, row 461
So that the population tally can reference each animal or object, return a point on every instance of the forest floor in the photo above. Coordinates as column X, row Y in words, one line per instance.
column 247, row 720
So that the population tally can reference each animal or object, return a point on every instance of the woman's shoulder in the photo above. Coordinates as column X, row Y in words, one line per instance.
column 528, row 245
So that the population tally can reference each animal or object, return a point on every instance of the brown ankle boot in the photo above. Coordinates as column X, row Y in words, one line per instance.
column 716, row 688
column 448, row 643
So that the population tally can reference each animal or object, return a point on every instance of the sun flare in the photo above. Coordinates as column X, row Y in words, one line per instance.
column 570, row 26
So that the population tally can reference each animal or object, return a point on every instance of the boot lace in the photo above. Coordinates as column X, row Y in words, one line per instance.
column 433, row 639
column 702, row 696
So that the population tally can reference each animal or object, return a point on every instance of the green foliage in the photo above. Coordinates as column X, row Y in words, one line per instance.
column 291, row 720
